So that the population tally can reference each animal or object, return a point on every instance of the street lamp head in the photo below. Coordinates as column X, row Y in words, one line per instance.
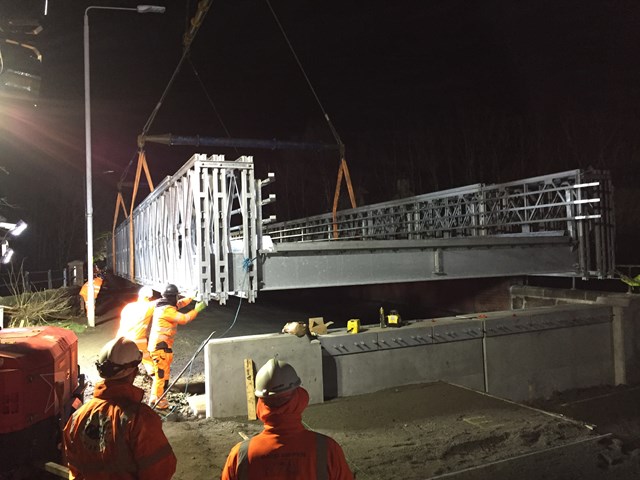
column 150, row 9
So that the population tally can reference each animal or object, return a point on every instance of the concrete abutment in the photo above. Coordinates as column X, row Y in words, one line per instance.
column 560, row 340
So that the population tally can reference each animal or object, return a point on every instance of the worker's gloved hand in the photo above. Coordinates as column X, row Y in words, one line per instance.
column 199, row 307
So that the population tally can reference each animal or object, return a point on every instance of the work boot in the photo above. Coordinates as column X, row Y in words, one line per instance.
column 163, row 404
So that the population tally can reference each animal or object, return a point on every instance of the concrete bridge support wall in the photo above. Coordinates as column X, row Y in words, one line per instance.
column 516, row 355
column 625, row 325
column 547, row 350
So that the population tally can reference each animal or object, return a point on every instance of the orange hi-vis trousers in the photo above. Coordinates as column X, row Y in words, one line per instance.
column 162, row 360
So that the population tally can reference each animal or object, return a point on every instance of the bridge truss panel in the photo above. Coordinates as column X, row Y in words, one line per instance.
column 575, row 203
column 182, row 230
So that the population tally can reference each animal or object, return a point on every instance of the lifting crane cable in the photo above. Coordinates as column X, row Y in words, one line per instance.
column 334, row 132
column 343, row 170
column 125, row 172
column 189, row 36
column 196, row 22
column 213, row 105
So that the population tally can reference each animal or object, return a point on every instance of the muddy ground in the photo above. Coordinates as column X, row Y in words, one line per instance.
column 413, row 432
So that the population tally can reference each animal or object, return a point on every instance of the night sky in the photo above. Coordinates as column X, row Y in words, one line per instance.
column 426, row 95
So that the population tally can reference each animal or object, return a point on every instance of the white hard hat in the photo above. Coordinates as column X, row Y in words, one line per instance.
column 118, row 358
column 145, row 292
column 275, row 378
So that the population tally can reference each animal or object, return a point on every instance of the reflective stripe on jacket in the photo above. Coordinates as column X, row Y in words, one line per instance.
column 166, row 319
column 114, row 436
column 135, row 320
column 285, row 450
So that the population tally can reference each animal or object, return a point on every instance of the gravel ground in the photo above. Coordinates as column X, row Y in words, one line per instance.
column 413, row 432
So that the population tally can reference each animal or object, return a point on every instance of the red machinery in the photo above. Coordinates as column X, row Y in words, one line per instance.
column 40, row 386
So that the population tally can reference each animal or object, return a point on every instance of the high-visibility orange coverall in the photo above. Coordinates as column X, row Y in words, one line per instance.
column 285, row 449
column 116, row 437
column 97, row 285
column 135, row 321
column 164, row 326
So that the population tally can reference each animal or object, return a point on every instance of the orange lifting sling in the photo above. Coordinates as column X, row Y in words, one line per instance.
column 142, row 164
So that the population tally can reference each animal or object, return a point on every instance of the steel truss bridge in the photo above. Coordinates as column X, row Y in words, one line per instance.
column 204, row 228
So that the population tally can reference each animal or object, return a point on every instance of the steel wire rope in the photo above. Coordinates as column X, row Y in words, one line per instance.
column 334, row 132
column 211, row 102
column 196, row 23
column 125, row 172
column 202, row 345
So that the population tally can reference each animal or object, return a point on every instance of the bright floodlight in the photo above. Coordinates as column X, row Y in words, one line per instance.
column 150, row 9
column 14, row 229
column 20, row 227
column 7, row 253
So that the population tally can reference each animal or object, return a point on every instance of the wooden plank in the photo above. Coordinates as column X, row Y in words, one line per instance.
column 249, row 370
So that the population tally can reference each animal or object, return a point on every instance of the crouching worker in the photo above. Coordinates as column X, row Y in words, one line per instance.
column 284, row 449
column 115, row 435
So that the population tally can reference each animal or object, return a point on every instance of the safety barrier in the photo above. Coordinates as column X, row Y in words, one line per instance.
column 32, row 281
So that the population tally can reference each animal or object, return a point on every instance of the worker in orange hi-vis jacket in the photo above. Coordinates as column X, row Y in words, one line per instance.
column 97, row 285
column 285, row 448
column 114, row 435
column 164, row 327
column 135, row 322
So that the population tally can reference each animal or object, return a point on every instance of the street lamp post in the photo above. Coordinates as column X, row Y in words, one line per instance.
column 91, row 320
